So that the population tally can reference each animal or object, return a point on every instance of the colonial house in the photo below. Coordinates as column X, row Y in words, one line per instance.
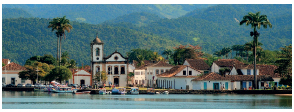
column 80, row 77
column 214, row 81
column 236, row 67
column 270, row 71
column 140, row 74
column 10, row 73
column 198, row 64
column 153, row 70
column 115, row 65
column 178, row 77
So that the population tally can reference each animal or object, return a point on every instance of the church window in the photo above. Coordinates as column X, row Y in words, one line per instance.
column 115, row 58
column 97, row 69
column 109, row 69
column 97, row 52
column 116, row 70
column 122, row 70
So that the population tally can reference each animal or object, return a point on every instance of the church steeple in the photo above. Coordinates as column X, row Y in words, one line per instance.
column 97, row 40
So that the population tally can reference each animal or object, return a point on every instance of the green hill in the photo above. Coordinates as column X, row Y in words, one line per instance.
column 26, row 37
column 14, row 13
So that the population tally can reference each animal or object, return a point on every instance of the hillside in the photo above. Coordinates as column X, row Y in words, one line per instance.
column 23, row 38
column 98, row 13
column 14, row 13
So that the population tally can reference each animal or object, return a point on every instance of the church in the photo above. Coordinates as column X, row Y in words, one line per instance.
column 115, row 65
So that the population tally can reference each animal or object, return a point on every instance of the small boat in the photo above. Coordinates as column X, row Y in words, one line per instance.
column 165, row 92
column 150, row 91
column 122, row 91
column 81, row 92
column 134, row 91
column 63, row 90
column 108, row 92
column 102, row 91
column 114, row 91
column 157, row 93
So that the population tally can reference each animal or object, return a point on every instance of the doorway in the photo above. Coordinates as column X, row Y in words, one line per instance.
column 82, row 82
column 116, row 81
column 216, row 86
column 12, row 80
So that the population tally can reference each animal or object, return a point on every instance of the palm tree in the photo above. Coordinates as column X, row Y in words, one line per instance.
column 255, row 20
column 167, row 53
column 60, row 25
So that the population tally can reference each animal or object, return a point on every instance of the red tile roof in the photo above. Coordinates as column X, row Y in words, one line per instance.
column 268, row 70
column 228, row 62
column 198, row 64
column 5, row 61
column 145, row 62
column 174, row 70
column 73, row 71
column 13, row 66
column 214, row 76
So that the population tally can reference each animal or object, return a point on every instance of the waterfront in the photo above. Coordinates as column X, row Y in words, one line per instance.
column 44, row 100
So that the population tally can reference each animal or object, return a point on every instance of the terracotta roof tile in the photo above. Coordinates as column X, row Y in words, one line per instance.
column 145, row 62
column 13, row 66
column 173, row 71
column 198, row 64
column 228, row 62
column 161, row 64
column 268, row 70
column 214, row 76
column 211, row 76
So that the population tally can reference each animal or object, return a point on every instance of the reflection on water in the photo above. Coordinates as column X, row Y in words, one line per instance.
column 45, row 100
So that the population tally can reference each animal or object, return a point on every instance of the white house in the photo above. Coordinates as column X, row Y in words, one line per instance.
column 198, row 64
column 153, row 70
column 115, row 65
column 214, row 81
column 178, row 77
column 81, row 77
column 10, row 74
column 236, row 67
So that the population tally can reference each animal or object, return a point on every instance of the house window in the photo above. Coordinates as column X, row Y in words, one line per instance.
column 190, row 72
column 116, row 70
column 248, row 71
column 157, row 71
column 3, row 80
column 137, row 73
column 97, row 51
column 122, row 70
column 161, row 71
column 206, row 72
column 166, row 70
column 23, row 81
column 109, row 69
column 142, row 73
column 262, row 84
column 184, row 72
column 136, row 81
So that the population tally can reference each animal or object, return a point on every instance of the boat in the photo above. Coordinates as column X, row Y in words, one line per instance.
column 119, row 91
column 102, row 91
column 108, row 92
column 134, row 91
column 63, row 90
column 81, row 92
column 150, row 91
column 157, row 93
column 165, row 92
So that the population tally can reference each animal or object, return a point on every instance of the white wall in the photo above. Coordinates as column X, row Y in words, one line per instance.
column 140, row 76
column 244, row 71
column 13, row 74
column 114, row 55
column 215, row 68
column 233, row 71
column 94, row 53
column 152, row 70
column 199, row 85
column 187, row 69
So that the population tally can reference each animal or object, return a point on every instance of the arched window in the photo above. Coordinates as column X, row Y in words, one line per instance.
column 97, row 51
column 109, row 69
column 115, row 69
column 122, row 70
column 97, row 69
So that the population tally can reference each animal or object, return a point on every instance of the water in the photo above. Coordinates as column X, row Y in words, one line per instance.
column 44, row 100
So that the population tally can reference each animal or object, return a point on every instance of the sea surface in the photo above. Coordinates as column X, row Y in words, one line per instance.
column 45, row 100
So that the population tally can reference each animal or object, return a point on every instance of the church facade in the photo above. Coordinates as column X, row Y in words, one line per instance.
column 115, row 65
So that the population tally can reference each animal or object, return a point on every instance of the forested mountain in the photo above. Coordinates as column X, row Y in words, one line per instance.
column 14, row 13
column 212, row 28
column 97, row 13
column 25, row 37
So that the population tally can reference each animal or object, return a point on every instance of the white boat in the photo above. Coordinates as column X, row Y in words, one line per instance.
column 134, row 91
column 108, row 92
column 165, row 92
column 63, row 90
column 102, row 91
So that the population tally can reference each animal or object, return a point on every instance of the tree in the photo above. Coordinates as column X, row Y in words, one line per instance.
column 167, row 53
column 3, row 64
column 255, row 21
column 183, row 52
column 103, row 76
column 145, row 54
column 225, row 51
column 60, row 25
column 31, row 72
column 284, row 62
column 49, row 59
column 59, row 73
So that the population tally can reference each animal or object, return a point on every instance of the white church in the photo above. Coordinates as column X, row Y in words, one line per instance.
column 115, row 65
